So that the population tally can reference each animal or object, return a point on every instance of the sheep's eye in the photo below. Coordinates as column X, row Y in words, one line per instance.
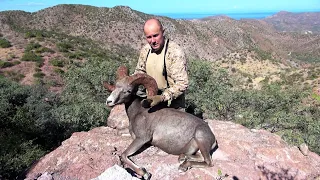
column 129, row 91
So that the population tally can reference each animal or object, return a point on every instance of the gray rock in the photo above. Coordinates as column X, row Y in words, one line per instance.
column 115, row 173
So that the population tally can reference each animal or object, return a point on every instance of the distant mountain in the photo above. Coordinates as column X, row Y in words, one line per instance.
column 308, row 22
column 208, row 38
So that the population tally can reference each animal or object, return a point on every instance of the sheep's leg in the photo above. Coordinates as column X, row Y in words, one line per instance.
column 185, row 157
column 202, row 140
column 190, row 149
column 193, row 161
column 134, row 147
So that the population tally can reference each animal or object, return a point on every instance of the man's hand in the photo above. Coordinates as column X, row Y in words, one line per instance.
column 155, row 99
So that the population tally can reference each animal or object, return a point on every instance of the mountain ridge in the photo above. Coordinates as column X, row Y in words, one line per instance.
column 208, row 38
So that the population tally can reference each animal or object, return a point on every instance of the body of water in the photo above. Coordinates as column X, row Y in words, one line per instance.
column 236, row 16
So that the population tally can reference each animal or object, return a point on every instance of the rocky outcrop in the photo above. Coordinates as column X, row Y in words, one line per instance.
column 241, row 154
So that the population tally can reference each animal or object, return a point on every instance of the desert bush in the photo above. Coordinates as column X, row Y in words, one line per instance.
column 43, row 49
column 28, row 129
column 32, row 46
column 312, row 75
column 38, row 74
column 64, row 46
column 56, row 62
column 4, row 64
column 212, row 86
column 77, row 55
column 14, row 75
column 243, row 60
column 307, row 57
column 16, row 62
column 17, row 151
column 37, row 69
column 58, row 70
column 293, row 78
column 37, row 48
column 272, row 108
column 264, row 55
column 30, row 56
column 29, row 34
column 4, row 43
column 39, row 34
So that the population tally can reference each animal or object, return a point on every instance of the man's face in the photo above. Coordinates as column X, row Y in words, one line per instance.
column 154, row 36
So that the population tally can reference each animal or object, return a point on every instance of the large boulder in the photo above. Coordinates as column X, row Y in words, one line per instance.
column 118, row 118
column 241, row 154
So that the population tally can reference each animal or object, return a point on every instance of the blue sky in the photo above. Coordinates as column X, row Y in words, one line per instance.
column 175, row 6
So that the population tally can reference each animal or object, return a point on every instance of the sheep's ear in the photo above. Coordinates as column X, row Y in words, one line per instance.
column 146, row 103
column 108, row 86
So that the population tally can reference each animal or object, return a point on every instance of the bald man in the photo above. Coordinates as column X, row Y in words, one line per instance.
column 165, row 61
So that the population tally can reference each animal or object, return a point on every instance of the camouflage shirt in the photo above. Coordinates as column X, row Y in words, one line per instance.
column 175, row 65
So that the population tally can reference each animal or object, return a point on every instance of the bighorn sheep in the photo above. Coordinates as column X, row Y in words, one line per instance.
column 171, row 130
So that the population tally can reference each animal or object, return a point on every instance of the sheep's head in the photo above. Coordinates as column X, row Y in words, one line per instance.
column 126, row 86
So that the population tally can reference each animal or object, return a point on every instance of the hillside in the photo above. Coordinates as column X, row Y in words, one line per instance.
column 205, row 39
column 119, row 30
column 306, row 23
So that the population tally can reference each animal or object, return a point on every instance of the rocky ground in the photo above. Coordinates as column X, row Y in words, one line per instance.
column 241, row 154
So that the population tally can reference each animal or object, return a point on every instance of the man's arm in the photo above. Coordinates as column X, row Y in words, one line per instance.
column 177, row 71
column 141, row 65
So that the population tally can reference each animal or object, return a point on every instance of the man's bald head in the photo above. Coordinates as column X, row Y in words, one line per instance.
column 153, row 31
column 153, row 23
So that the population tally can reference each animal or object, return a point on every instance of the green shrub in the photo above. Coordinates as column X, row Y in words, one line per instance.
column 30, row 56
column 10, row 56
column 14, row 76
column 64, row 46
column 29, row 34
column 16, row 62
column 58, row 70
column 32, row 46
column 4, row 64
column 56, row 62
column 315, row 96
column 37, row 121
column 264, row 55
column 272, row 108
column 307, row 57
column 17, row 150
column 44, row 49
column 38, row 75
column 4, row 43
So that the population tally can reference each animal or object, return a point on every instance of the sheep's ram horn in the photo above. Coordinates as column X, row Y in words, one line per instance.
column 147, row 81
column 122, row 72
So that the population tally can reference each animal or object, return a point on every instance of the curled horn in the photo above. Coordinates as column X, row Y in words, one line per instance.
column 147, row 81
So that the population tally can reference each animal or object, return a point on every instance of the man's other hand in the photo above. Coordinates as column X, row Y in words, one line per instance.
column 155, row 99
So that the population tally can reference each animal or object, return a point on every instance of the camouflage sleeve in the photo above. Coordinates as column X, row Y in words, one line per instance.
column 141, row 65
column 177, row 71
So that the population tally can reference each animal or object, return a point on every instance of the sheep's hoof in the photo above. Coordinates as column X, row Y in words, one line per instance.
column 146, row 175
column 182, row 158
column 185, row 166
